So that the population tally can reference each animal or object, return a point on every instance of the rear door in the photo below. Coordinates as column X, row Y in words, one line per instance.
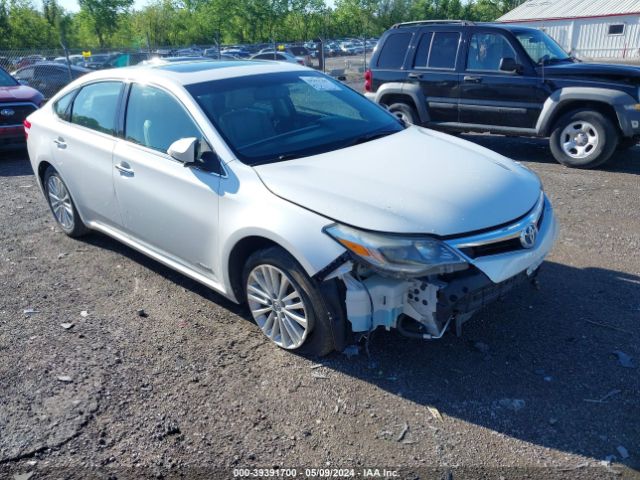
column 434, row 69
column 490, row 96
column 82, row 142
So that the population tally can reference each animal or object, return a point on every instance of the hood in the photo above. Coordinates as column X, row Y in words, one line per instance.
column 414, row 181
column 20, row 93
column 594, row 70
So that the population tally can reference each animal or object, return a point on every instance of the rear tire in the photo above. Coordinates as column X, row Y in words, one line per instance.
column 583, row 139
column 405, row 112
column 278, row 305
column 62, row 205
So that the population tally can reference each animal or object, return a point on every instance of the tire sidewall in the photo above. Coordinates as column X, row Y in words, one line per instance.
column 78, row 226
column 607, row 141
column 407, row 110
column 319, row 339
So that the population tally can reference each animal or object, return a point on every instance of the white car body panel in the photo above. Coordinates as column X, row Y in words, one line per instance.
column 396, row 185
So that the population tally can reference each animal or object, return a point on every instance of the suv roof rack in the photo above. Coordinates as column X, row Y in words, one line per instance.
column 432, row 22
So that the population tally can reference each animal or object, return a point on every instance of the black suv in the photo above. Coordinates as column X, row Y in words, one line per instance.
column 486, row 77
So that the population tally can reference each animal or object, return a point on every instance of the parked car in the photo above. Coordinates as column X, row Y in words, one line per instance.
column 29, row 60
column 236, row 52
column 278, row 56
column 512, row 80
column 95, row 61
column 73, row 59
column 119, row 60
column 48, row 77
column 302, row 53
column 320, row 210
column 16, row 103
column 165, row 60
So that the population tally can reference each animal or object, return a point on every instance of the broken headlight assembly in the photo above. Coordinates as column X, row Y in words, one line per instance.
column 396, row 255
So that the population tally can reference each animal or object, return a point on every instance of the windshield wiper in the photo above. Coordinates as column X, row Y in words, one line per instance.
column 370, row 136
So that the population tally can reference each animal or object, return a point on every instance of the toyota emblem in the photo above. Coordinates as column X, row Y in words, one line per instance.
column 528, row 236
column 7, row 112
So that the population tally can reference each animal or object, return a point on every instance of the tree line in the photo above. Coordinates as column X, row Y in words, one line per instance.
column 116, row 24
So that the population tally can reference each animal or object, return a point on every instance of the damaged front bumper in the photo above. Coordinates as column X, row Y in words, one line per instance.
column 425, row 307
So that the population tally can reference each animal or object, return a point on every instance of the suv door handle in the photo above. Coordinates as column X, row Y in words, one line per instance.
column 60, row 143
column 415, row 75
column 472, row 79
column 124, row 169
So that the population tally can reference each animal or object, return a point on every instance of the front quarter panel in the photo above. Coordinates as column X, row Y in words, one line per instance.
column 248, row 208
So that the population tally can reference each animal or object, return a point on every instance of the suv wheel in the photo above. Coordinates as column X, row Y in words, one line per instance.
column 583, row 139
column 61, row 204
column 404, row 112
column 284, row 303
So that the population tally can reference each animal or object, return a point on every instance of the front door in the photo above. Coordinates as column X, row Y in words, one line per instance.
column 490, row 96
column 165, row 206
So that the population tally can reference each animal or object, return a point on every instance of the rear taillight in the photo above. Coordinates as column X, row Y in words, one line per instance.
column 27, row 126
column 368, row 80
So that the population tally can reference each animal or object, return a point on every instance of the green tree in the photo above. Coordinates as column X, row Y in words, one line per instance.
column 103, row 16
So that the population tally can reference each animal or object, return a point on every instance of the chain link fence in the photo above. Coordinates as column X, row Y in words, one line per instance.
column 49, row 70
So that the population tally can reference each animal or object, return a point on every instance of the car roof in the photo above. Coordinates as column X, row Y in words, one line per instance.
column 462, row 24
column 190, row 72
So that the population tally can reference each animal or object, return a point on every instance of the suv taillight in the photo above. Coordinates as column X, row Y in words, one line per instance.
column 368, row 79
column 27, row 126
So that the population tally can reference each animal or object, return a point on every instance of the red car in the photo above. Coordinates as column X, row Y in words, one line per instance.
column 16, row 103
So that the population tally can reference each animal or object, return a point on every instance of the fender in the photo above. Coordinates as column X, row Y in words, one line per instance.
column 559, row 98
column 410, row 90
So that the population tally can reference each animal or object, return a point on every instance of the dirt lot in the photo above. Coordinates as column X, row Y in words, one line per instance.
column 532, row 388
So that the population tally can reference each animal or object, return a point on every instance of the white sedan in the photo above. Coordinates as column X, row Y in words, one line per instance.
column 281, row 188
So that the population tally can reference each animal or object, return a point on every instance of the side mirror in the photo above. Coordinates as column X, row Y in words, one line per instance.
column 508, row 64
column 184, row 150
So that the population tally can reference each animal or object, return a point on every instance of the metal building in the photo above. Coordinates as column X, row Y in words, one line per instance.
column 588, row 29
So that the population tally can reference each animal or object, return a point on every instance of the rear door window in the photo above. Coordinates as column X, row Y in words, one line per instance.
column 394, row 50
column 444, row 50
column 422, row 52
column 95, row 106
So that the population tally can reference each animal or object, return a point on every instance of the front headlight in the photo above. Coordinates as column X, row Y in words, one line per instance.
column 398, row 256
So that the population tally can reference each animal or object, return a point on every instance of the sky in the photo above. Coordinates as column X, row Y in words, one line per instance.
column 72, row 5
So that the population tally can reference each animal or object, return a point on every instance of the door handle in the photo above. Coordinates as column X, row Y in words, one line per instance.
column 60, row 143
column 415, row 75
column 124, row 169
column 472, row 79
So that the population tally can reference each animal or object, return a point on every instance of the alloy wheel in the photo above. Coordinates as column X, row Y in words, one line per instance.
column 60, row 202
column 277, row 306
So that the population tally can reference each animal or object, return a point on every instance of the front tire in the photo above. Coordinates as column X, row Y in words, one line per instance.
column 61, row 204
column 583, row 139
column 285, row 304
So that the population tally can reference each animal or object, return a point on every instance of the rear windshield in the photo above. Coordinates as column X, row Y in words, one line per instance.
column 7, row 80
column 280, row 116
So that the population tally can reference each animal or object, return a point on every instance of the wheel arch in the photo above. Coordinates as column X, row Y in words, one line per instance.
column 605, row 101
column 412, row 95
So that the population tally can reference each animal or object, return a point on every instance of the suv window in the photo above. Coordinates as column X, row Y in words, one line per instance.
column 422, row 53
column 444, row 50
column 156, row 119
column 394, row 50
column 486, row 50
column 61, row 107
column 95, row 106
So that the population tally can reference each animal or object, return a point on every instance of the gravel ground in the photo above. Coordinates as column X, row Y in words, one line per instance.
column 91, row 389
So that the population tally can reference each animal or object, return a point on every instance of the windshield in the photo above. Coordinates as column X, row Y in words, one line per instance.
column 541, row 47
column 7, row 80
column 280, row 116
